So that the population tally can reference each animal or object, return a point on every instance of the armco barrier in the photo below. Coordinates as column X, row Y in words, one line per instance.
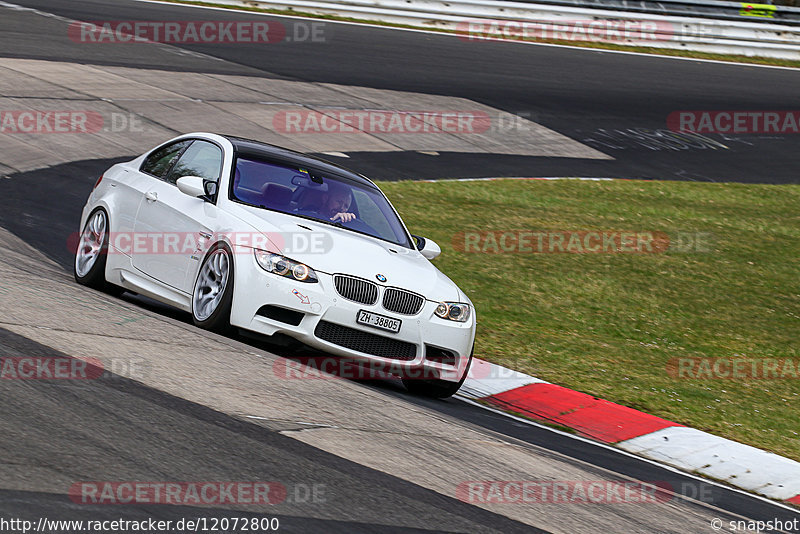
column 714, row 9
column 683, row 33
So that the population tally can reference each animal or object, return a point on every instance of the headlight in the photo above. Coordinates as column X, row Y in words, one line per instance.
column 453, row 311
column 277, row 264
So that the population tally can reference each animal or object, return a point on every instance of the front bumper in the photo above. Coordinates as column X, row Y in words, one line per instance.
column 324, row 311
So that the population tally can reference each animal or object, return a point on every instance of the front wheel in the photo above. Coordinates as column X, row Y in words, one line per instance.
column 213, row 291
column 89, row 267
column 437, row 389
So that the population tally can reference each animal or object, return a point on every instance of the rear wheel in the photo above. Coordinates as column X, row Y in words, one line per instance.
column 438, row 389
column 213, row 291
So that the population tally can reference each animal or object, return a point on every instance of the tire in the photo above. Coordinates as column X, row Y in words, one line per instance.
column 212, row 294
column 89, row 267
column 437, row 389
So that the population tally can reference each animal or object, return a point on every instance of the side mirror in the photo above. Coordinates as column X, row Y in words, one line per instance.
column 427, row 247
column 192, row 186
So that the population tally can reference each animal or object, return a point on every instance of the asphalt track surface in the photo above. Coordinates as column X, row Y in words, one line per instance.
column 608, row 101
column 197, row 438
column 117, row 428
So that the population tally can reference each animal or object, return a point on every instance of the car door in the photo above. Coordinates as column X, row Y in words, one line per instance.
column 130, row 185
column 172, row 228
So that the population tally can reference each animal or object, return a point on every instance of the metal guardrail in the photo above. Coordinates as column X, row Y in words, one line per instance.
column 716, row 9
column 477, row 20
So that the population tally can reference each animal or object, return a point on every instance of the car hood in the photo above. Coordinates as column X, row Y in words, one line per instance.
column 333, row 250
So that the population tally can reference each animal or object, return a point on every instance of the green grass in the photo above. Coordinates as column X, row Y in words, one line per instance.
column 608, row 324
column 582, row 44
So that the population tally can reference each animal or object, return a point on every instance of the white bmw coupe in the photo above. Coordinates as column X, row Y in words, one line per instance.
column 249, row 235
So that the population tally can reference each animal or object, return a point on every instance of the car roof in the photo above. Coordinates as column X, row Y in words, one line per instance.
column 259, row 149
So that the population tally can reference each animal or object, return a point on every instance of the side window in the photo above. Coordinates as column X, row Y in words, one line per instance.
column 202, row 159
column 159, row 162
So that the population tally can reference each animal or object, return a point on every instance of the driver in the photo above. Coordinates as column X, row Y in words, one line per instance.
column 336, row 203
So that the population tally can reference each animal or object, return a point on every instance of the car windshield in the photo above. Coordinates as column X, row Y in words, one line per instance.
column 323, row 197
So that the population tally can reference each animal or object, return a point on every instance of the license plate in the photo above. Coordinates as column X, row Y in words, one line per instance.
column 378, row 321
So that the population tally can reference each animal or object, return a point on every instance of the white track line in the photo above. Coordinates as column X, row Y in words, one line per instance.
column 630, row 455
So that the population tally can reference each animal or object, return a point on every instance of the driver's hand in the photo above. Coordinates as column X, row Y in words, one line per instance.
column 344, row 217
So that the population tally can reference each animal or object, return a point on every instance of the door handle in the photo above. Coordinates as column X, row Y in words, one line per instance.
column 152, row 196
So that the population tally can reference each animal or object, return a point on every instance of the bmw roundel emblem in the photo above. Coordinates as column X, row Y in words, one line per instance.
column 380, row 277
